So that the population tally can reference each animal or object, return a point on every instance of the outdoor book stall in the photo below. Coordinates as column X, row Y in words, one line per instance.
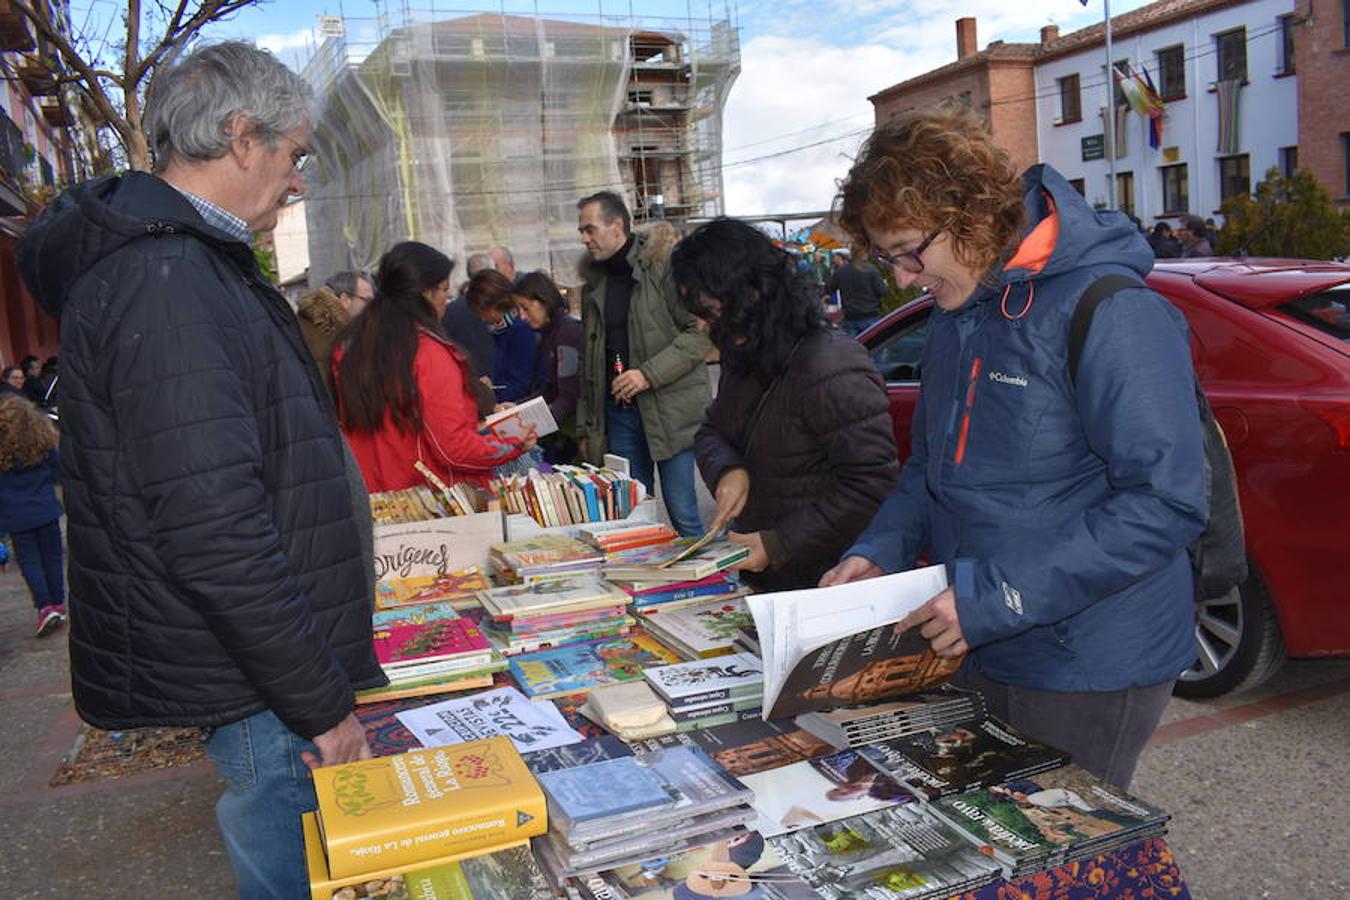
column 601, row 711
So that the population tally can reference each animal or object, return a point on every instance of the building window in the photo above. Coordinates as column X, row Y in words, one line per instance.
column 1123, row 66
column 1078, row 185
column 1172, row 72
column 1234, row 177
column 1176, row 198
column 1287, row 26
column 1071, row 99
column 1231, row 49
column 1288, row 161
column 1125, row 192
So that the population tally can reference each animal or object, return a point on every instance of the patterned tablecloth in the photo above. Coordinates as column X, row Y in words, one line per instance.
column 1143, row 871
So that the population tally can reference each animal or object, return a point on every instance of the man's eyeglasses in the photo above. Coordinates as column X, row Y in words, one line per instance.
column 910, row 261
column 300, row 155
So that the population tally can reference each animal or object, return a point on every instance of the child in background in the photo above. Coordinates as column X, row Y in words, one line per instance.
column 29, row 510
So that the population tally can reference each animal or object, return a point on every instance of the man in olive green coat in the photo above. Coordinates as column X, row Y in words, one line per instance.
column 644, row 385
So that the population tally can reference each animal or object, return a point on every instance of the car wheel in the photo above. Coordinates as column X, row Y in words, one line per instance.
column 1238, row 640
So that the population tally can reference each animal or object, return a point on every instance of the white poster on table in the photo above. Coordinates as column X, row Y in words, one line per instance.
column 505, row 711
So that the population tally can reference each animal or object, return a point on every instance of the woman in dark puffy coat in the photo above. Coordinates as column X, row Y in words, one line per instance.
column 797, row 448
column 557, row 360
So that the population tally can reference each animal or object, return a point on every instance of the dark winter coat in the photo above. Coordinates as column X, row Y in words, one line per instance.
column 215, row 559
column 322, row 316
column 28, row 495
column 1063, row 509
column 821, row 457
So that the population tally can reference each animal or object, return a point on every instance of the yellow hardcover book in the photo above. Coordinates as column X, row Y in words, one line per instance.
column 323, row 884
column 426, row 804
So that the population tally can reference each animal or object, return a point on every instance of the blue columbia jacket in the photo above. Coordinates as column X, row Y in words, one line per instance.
column 1062, row 512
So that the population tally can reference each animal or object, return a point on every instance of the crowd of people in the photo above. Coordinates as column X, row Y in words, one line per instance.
column 218, row 449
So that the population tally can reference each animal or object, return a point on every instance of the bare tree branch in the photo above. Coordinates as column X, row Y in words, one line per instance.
column 210, row 11
column 75, row 61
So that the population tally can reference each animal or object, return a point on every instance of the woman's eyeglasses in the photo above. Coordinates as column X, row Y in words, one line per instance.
column 910, row 261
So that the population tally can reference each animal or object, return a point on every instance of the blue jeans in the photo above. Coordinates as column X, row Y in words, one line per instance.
column 627, row 438
column 267, row 788
column 855, row 327
column 42, row 563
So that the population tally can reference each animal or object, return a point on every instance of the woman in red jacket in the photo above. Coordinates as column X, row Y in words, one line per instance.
column 404, row 390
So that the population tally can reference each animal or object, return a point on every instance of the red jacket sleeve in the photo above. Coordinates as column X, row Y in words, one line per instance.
column 450, row 413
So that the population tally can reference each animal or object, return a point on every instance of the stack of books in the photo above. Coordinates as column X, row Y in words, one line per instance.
column 625, row 809
column 384, row 817
column 422, row 502
column 661, row 566
column 542, row 558
column 429, row 649
column 521, row 618
column 900, row 851
column 661, row 596
column 708, row 692
column 1061, row 816
column 855, row 726
column 578, row 668
column 569, row 495
column 458, row 588
column 700, row 629
column 613, row 537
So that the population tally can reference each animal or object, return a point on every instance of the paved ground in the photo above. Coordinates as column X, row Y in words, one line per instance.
column 1258, row 786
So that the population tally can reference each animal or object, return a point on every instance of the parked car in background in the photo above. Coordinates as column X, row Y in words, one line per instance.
column 1271, row 344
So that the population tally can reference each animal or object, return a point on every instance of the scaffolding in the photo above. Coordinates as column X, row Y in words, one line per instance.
column 467, row 129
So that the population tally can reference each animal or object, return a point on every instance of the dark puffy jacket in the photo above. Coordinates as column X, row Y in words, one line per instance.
column 820, row 460
column 1063, row 509
column 215, row 560
column 28, row 495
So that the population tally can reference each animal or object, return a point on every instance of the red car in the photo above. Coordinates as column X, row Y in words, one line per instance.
column 1271, row 343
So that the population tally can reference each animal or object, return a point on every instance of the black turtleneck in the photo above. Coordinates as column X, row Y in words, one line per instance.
column 618, row 294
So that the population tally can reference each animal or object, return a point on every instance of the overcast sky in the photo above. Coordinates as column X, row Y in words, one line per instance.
column 807, row 68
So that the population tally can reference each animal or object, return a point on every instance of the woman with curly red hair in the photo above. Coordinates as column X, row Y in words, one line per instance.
column 29, row 509
column 1062, row 505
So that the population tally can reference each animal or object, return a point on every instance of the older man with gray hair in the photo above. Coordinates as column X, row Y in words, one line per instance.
column 219, row 535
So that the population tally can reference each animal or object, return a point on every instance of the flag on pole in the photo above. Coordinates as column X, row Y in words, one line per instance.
column 1157, row 110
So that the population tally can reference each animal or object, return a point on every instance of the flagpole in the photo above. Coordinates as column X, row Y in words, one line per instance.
column 1110, row 110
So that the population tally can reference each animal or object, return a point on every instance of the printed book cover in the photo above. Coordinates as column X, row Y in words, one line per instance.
column 748, row 746
column 571, row 756
column 458, row 588
column 577, row 668
column 509, row 874
column 511, row 423
column 420, row 634
column 896, row 853
column 544, row 597
column 945, row 761
column 504, row 711
column 654, row 564
column 1027, row 819
column 744, row 865
column 820, row 790
column 703, row 680
column 706, row 629
column 545, row 550
column 606, row 788
column 426, row 804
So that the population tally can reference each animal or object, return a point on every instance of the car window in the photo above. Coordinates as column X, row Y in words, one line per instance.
column 896, row 354
column 1328, row 311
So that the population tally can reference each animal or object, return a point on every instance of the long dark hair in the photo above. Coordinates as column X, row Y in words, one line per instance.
column 538, row 286
column 376, row 372
column 767, row 306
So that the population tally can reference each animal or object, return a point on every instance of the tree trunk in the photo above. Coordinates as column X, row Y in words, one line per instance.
column 138, row 147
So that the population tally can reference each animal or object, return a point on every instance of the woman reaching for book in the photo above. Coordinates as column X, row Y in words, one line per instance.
column 403, row 389
column 1062, row 507
column 797, row 447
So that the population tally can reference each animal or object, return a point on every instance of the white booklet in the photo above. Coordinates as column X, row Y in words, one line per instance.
column 510, row 424
column 836, row 646
column 505, row 711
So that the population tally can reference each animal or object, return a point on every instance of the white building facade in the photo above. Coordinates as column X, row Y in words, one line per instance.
column 1251, row 42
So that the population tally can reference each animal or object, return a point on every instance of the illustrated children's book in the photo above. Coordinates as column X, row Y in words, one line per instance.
column 423, row 634
column 577, row 668
column 838, row 646
column 459, row 588
column 425, row 804
column 657, row 564
column 511, row 423
column 703, row 629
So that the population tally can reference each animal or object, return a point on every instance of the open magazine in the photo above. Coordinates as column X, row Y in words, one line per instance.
column 837, row 646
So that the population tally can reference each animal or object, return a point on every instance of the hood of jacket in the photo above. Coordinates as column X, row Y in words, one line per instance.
column 323, row 310
column 1064, row 233
column 93, row 220
column 652, row 244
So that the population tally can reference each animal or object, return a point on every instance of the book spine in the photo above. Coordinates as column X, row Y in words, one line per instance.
column 679, row 714
column 651, row 598
column 480, row 830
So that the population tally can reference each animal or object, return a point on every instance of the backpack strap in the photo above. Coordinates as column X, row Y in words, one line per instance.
column 1098, row 291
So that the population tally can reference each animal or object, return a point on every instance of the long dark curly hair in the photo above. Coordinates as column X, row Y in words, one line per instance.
column 764, row 305
column 376, row 372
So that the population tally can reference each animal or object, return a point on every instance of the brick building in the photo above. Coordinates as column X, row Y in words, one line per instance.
column 1322, row 52
column 998, row 81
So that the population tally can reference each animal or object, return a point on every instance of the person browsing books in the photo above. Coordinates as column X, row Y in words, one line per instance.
column 404, row 391
column 1062, row 508
column 797, row 448
column 557, row 360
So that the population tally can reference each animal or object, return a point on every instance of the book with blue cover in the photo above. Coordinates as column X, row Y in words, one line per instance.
column 607, row 788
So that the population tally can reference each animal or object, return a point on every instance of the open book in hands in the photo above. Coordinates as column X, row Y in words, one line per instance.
column 512, row 423
column 838, row 646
